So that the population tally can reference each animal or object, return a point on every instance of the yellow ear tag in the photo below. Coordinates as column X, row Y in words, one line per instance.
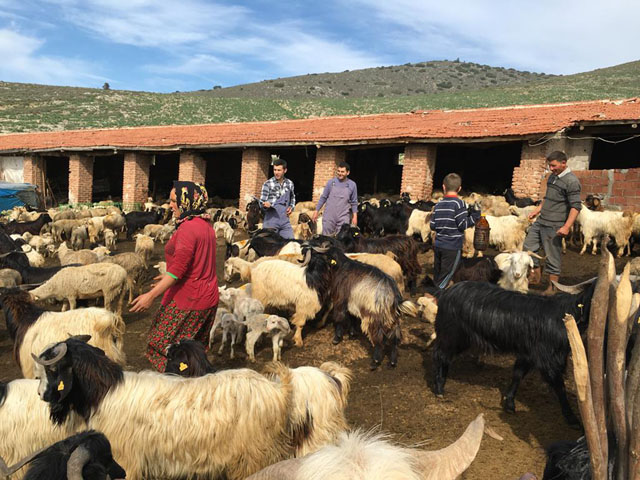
column 355, row 234
column 183, row 366
column 333, row 262
column 61, row 386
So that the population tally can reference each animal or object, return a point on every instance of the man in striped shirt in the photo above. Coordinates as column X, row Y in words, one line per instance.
column 450, row 218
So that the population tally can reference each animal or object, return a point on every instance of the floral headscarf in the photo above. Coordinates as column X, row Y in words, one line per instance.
column 191, row 199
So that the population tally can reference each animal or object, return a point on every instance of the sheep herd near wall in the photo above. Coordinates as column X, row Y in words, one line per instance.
column 198, row 420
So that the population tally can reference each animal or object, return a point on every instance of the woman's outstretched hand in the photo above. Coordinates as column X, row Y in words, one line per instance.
column 142, row 302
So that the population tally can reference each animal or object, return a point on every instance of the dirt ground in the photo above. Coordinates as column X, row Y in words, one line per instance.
column 400, row 401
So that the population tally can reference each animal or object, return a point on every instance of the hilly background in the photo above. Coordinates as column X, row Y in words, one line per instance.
column 418, row 86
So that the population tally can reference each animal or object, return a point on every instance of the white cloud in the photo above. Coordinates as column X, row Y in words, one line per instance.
column 556, row 37
column 22, row 63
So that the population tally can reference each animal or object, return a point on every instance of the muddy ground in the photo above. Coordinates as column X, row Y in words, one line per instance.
column 400, row 401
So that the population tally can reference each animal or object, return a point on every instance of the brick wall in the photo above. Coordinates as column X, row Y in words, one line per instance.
column 135, row 184
column 192, row 167
column 620, row 188
column 80, row 179
column 254, row 172
column 417, row 171
column 33, row 171
column 325, row 168
column 528, row 177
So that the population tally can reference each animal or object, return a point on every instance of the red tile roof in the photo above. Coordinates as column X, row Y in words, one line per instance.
column 424, row 125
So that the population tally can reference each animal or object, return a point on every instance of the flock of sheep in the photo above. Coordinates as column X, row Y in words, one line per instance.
column 288, row 423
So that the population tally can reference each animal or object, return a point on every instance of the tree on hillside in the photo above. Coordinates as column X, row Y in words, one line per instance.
column 106, row 86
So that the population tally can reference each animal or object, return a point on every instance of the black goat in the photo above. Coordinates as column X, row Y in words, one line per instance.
column 137, row 220
column 33, row 227
column 86, row 455
column 424, row 205
column 6, row 242
column 364, row 292
column 188, row 359
column 19, row 261
column 254, row 215
column 404, row 248
column 568, row 461
column 511, row 199
column 267, row 242
column 497, row 320
column 384, row 220
column 483, row 269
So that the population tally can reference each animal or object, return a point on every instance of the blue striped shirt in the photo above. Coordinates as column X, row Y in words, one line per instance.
column 449, row 220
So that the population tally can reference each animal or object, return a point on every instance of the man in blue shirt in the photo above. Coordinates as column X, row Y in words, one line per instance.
column 341, row 198
column 277, row 200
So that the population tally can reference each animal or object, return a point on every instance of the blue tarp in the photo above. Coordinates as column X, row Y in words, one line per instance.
column 17, row 195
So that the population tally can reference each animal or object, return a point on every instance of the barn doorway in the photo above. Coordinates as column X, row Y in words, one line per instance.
column 485, row 168
column 607, row 155
column 162, row 172
column 108, row 178
column 301, row 163
column 376, row 170
column 57, row 174
column 222, row 179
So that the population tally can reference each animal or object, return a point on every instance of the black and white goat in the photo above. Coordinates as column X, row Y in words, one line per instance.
column 366, row 293
column 141, row 413
column 188, row 358
column 404, row 248
column 84, row 456
column 497, row 320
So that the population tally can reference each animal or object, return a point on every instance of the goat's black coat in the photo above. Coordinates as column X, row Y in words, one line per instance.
column 87, row 375
column 497, row 320
column 20, row 262
column 267, row 242
column 6, row 242
column 482, row 269
column 19, row 314
column 511, row 199
column 253, row 215
column 137, row 220
column 404, row 248
column 568, row 460
column 3, row 392
column 33, row 227
column 191, row 354
column 52, row 463
column 383, row 220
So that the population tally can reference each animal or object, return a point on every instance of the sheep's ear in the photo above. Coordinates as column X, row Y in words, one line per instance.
column 502, row 261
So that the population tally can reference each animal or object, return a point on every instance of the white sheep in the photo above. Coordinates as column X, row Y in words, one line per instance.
column 166, row 232
column 365, row 456
column 35, row 259
column 95, row 228
column 224, row 230
column 273, row 325
column 78, row 236
column 88, row 281
column 594, row 225
column 114, row 221
column 61, row 229
column 134, row 266
column 152, row 230
column 419, row 224
column 39, row 242
column 110, row 239
column 10, row 278
column 302, row 206
column 161, row 267
column 69, row 257
column 144, row 248
column 232, row 328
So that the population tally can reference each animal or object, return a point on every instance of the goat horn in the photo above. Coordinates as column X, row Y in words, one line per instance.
column 534, row 254
column 573, row 288
column 284, row 470
column 76, row 463
column 306, row 260
column 61, row 353
column 8, row 471
column 320, row 249
column 9, row 253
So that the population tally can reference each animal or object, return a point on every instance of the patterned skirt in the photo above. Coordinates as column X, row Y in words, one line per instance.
column 172, row 325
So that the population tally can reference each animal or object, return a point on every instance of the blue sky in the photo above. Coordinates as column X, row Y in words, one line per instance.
column 164, row 46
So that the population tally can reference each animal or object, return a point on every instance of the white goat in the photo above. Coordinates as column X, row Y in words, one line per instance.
column 515, row 270
column 224, row 230
column 419, row 224
column 618, row 225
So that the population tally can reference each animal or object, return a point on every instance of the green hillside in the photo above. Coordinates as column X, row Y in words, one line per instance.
column 27, row 107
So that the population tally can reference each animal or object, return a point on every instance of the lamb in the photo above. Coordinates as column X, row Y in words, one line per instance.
column 231, row 327
column 293, row 413
column 35, row 259
column 110, row 239
column 144, row 248
column 152, row 230
column 188, row 359
column 134, row 266
column 273, row 325
column 69, row 257
column 86, row 455
column 88, row 281
column 95, row 229
column 618, row 225
column 419, row 224
column 362, row 456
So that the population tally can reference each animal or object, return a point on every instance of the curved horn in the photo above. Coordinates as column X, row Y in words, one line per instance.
column 451, row 461
column 307, row 258
column 61, row 353
column 8, row 471
column 574, row 289
column 76, row 463
column 284, row 470
column 534, row 254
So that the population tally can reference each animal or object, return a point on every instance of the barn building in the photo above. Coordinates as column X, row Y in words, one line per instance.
column 493, row 148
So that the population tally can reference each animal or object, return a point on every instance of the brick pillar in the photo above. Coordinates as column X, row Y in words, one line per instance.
column 529, row 176
column 135, row 184
column 192, row 168
column 254, row 172
column 33, row 171
column 417, row 171
column 325, row 168
column 80, row 179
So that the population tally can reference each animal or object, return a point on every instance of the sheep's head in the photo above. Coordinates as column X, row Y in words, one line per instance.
column 274, row 322
column 428, row 308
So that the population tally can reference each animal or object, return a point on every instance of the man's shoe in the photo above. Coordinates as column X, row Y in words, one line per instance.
column 535, row 275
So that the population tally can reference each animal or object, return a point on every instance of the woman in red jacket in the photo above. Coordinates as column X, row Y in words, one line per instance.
column 190, row 286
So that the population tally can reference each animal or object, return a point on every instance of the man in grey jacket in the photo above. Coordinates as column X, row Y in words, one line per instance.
column 557, row 213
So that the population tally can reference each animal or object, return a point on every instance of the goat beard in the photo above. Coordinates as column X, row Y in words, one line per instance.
column 58, row 412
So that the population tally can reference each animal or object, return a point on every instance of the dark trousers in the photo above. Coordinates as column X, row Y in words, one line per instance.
column 444, row 264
